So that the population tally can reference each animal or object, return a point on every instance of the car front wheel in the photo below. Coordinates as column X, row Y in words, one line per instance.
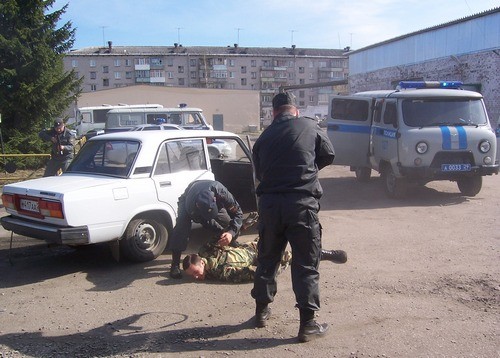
column 394, row 187
column 144, row 240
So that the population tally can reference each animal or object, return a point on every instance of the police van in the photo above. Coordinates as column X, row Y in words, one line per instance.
column 421, row 132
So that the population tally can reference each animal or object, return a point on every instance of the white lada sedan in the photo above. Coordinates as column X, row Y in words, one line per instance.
column 123, row 188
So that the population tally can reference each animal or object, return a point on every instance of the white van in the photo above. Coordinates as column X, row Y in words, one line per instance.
column 91, row 119
column 127, row 118
column 420, row 132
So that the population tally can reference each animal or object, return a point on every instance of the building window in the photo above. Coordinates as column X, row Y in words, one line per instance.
column 93, row 88
column 301, row 69
column 74, row 63
column 128, row 62
column 253, row 63
column 181, row 81
column 311, row 76
column 193, row 74
column 311, row 99
column 254, row 75
column 142, row 74
column 156, row 73
column 118, row 75
column 142, row 61
column 243, row 81
column 243, row 69
column 170, row 61
column 105, row 82
column 301, row 94
column 93, row 75
column 92, row 63
column 180, row 69
column 128, row 75
column 105, row 69
column 170, row 74
column 192, row 62
column 156, row 61
column 118, row 62
column 231, row 74
column 302, row 81
column 231, row 63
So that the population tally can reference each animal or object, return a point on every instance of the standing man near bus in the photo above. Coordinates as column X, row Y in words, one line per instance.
column 287, row 157
column 62, row 152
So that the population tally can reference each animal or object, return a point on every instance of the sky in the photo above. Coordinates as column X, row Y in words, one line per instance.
column 327, row 24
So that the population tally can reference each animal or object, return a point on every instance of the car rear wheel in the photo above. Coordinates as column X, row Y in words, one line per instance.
column 394, row 187
column 144, row 240
column 470, row 186
column 363, row 174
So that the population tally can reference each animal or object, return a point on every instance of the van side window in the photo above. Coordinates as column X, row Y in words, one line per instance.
column 377, row 117
column 350, row 109
column 390, row 114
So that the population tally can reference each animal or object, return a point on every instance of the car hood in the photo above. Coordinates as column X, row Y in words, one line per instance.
column 63, row 184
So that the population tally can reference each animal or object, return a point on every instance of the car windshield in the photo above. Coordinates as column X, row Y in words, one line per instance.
column 443, row 112
column 106, row 157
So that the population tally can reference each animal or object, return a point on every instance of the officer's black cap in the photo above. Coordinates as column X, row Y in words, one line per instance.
column 206, row 204
column 282, row 99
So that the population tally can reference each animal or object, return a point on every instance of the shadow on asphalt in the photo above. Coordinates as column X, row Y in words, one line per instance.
column 346, row 193
column 126, row 337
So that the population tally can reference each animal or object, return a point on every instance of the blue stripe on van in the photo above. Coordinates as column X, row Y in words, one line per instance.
column 462, row 138
column 445, row 132
column 348, row 128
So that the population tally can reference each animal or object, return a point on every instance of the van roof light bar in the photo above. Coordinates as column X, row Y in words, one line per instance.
column 429, row 84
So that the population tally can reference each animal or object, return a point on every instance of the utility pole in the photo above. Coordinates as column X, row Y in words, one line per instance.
column 238, row 39
column 103, row 37
column 179, row 35
column 292, row 31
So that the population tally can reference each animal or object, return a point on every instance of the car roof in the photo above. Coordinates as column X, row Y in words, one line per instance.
column 161, row 135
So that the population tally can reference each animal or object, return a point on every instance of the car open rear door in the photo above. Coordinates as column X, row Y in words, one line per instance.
column 349, row 129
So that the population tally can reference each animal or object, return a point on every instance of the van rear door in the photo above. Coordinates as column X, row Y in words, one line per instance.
column 349, row 129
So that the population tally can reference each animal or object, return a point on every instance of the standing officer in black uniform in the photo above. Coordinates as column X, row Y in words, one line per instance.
column 287, row 157
column 210, row 204
column 63, row 142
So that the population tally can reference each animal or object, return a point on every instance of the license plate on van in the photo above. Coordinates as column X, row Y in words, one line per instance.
column 455, row 167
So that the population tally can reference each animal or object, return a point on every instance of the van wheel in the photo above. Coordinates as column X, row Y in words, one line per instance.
column 470, row 186
column 394, row 187
column 145, row 239
column 363, row 174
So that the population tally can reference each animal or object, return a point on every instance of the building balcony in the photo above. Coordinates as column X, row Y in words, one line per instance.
column 145, row 67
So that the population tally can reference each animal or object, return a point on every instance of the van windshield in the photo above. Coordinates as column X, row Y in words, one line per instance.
column 443, row 112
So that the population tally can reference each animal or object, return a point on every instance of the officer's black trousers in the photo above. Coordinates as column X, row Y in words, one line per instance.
column 289, row 218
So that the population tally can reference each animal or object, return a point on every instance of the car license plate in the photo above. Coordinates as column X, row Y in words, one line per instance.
column 455, row 167
column 29, row 205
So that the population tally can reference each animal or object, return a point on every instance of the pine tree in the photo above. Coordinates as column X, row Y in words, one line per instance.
column 34, row 87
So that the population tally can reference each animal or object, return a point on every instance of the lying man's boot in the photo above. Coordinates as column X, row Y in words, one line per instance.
column 250, row 221
column 262, row 314
column 312, row 330
column 175, row 272
column 337, row 256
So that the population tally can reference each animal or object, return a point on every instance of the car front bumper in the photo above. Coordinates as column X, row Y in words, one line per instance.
column 437, row 174
column 49, row 233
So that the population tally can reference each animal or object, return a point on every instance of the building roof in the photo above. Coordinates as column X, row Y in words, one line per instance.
column 206, row 50
column 432, row 28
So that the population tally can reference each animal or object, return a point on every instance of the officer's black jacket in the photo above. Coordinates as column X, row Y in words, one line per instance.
column 288, row 155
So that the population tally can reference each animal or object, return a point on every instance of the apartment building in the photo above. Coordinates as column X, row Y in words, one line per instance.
column 231, row 67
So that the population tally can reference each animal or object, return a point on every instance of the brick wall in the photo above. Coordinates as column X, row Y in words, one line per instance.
column 480, row 69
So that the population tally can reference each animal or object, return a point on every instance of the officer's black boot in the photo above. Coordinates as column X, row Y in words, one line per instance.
column 309, row 328
column 337, row 256
column 262, row 314
column 175, row 270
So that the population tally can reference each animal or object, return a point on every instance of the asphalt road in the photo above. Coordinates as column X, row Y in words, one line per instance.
column 422, row 280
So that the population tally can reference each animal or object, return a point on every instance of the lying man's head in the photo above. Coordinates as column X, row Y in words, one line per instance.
column 194, row 266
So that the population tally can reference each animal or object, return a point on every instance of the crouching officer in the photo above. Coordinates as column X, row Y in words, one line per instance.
column 210, row 204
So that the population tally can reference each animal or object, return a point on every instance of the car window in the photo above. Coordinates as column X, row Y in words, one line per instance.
column 108, row 157
column 181, row 155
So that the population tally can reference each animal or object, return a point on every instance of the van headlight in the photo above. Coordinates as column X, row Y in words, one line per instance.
column 421, row 147
column 484, row 146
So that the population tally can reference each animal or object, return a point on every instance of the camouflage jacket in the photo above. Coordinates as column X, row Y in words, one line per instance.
column 229, row 264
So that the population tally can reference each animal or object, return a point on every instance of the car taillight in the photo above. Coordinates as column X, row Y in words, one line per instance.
column 8, row 201
column 51, row 208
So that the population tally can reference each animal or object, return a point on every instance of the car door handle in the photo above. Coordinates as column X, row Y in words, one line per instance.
column 165, row 183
